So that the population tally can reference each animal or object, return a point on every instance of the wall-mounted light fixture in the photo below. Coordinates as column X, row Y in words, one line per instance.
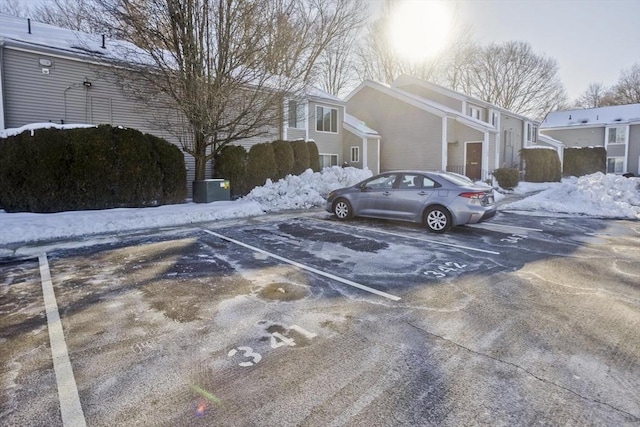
column 86, row 84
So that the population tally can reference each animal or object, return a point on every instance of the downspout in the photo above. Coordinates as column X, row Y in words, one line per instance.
column 2, row 122
column 307, row 118
column 285, row 120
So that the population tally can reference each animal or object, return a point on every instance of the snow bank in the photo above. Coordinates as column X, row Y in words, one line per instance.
column 35, row 126
column 598, row 195
column 307, row 190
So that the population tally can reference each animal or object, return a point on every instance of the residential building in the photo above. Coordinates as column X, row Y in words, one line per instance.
column 616, row 128
column 51, row 74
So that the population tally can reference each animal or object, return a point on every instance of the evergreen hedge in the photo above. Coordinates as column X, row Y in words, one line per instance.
column 301, row 160
column 92, row 168
column 507, row 178
column 314, row 156
column 584, row 161
column 284, row 158
column 261, row 164
column 542, row 165
column 231, row 164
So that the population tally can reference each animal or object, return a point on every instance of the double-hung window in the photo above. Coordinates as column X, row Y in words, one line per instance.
column 615, row 164
column 355, row 154
column 617, row 135
column 326, row 119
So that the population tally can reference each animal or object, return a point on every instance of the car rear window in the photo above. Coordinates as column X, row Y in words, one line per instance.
column 456, row 180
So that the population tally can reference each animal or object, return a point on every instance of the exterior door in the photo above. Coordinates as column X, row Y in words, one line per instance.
column 474, row 160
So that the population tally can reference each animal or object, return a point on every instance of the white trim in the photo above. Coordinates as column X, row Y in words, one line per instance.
column 498, row 140
column 365, row 152
column 307, row 127
column 2, row 125
column 485, row 157
column 445, row 145
column 285, row 121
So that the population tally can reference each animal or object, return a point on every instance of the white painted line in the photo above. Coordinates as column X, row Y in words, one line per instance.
column 372, row 230
column 490, row 225
column 70, row 408
column 305, row 267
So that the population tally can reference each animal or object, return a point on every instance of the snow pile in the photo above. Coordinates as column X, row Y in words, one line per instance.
column 34, row 126
column 598, row 195
column 307, row 190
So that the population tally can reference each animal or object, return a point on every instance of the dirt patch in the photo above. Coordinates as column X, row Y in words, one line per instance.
column 281, row 291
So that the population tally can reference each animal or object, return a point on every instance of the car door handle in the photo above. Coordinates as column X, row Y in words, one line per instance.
column 422, row 193
column 386, row 193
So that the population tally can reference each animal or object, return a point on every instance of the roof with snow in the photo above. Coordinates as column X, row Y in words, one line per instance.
column 358, row 125
column 29, row 33
column 602, row 116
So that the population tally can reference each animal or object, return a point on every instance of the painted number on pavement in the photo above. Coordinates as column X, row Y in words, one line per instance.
column 448, row 267
column 251, row 358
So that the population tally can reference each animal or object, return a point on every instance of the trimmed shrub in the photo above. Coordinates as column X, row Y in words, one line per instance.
column 231, row 164
column 541, row 165
column 261, row 164
column 93, row 168
column 584, row 161
column 300, row 157
column 507, row 178
column 284, row 158
column 314, row 156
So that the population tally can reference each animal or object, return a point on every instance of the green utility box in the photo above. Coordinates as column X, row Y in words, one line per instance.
column 211, row 190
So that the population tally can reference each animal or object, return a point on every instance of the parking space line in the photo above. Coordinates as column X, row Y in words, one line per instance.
column 305, row 267
column 70, row 407
column 493, row 226
column 419, row 239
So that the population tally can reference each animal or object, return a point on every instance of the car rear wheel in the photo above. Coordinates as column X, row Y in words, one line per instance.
column 342, row 209
column 437, row 219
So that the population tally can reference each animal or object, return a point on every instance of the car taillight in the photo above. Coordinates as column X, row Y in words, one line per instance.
column 472, row 195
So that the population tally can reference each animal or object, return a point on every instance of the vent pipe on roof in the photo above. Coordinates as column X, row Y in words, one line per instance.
column 103, row 45
column 29, row 25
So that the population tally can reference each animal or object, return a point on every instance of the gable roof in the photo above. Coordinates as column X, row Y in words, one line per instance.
column 424, row 104
column 406, row 79
column 602, row 116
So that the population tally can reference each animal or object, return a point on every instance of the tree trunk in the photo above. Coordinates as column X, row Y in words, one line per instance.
column 200, row 156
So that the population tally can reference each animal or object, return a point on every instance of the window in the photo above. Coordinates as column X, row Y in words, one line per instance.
column 474, row 112
column 384, row 182
column 355, row 154
column 494, row 119
column 328, row 160
column 532, row 133
column 296, row 115
column 415, row 182
column 617, row 135
column 326, row 119
column 615, row 164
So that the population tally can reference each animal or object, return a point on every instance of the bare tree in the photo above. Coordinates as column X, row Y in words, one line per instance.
column 627, row 90
column 514, row 77
column 336, row 68
column 596, row 95
column 15, row 8
column 225, row 65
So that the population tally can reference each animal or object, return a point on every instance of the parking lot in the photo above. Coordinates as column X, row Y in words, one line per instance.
column 299, row 319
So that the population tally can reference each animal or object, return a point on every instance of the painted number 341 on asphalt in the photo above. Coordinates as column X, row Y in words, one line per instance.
column 447, row 267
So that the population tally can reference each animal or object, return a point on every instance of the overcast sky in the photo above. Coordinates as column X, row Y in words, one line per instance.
column 592, row 40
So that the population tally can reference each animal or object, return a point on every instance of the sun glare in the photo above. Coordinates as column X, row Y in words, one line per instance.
column 419, row 29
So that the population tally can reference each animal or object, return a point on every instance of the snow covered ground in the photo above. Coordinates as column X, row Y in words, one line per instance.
column 595, row 195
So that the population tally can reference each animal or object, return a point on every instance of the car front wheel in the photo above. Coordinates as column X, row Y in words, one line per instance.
column 437, row 219
column 342, row 209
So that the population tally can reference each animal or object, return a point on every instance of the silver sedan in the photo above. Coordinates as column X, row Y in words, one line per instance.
column 439, row 200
